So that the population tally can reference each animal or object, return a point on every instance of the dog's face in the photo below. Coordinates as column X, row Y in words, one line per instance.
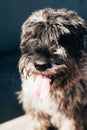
column 51, row 45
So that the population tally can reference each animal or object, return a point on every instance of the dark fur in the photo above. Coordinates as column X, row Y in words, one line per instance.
column 57, row 41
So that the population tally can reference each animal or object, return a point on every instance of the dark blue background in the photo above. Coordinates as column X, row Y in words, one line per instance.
column 12, row 14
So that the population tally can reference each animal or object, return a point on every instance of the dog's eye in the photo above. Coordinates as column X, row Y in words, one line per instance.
column 29, row 46
column 56, row 59
column 28, row 49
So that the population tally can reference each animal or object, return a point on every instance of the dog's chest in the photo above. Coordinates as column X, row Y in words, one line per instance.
column 49, row 104
column 45, row 105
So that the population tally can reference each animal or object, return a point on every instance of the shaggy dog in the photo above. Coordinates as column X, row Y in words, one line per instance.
column 53, row 69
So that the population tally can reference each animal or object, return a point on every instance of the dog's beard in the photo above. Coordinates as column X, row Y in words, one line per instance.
column 45, row 82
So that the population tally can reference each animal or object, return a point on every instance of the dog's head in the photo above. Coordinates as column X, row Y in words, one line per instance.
column 51, row 45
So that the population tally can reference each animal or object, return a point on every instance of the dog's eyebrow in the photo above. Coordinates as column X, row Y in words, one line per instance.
column 29, row 48
column 61, row 51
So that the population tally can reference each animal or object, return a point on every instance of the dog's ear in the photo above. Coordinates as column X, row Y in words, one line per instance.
column 85, row 38
column 74, row 41
column 26, row 34
column 78, row 31
column 85, row 32
column 82, row 33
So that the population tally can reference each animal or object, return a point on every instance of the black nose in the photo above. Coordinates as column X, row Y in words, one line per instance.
column 42, row 66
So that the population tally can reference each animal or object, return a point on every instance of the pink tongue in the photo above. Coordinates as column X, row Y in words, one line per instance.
column 42, row 85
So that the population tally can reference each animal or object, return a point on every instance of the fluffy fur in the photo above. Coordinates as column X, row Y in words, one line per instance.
column 52, row 44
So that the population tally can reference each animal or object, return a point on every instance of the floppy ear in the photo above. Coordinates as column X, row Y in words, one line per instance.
column 85, row 31
column 82, row 33
column 75, row 40
column 25, row 35
column 85, row 37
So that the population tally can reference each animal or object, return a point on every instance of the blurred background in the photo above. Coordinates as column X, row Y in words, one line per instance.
column 12, row 14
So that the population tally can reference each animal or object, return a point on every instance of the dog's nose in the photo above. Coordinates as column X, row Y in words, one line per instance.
column 42, row 66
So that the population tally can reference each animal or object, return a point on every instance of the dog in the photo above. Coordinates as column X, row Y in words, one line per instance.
column 53, row 70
